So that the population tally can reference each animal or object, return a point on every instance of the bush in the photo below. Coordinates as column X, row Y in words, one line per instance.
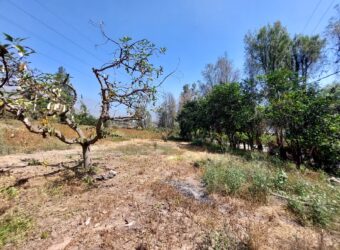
column 315, row 211
column 280, row 180
column 298, row 208
column 319, row 212
column 314, row 203
column 226, row 179
column 299, row 187
column 260, row 186
column 234, row 178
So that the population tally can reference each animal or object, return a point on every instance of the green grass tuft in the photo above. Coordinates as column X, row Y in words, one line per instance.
column 13, row 228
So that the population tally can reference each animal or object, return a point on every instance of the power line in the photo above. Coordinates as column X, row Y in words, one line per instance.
column 324, row 77
column 64, row 21
column 45, row 40
column 61, row 63
column 55, row 31
column 310, row 17
column 322, row 17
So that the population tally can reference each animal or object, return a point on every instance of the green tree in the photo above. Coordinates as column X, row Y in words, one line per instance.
column 83, row 116
column 226, row 111
column 268, row 49
column 306, row 54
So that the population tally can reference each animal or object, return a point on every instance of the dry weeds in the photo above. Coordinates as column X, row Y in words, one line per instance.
column 138, row 209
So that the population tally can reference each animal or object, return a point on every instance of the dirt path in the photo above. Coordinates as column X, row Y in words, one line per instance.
column 148, row 204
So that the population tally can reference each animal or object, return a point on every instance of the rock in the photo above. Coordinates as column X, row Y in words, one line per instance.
column 192, row 191
column 129, row 224
column 106, row 176
column 88, row 220
column 334, row 181
column 111, row 174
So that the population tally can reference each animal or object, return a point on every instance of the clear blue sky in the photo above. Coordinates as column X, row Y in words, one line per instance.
column 195, row 32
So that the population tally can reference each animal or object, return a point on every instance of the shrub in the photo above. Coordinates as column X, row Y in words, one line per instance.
column 260, row 185
column 214, row 177
column 280, row 179
column 316, row 210
column 319, row 212
column 298, row 208
column 234, row 178
column 219, row 178
column 299, row 187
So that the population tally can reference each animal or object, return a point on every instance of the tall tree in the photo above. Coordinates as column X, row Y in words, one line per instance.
column 268, row 49
column 188, row 93
column 167, row 112
column 306, row 54
column 223, row 71
column 333, row 31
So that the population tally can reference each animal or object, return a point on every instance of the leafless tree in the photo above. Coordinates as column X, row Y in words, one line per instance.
column 223, row 71
column 188, row 93
column 167, row 112
column 333, row 31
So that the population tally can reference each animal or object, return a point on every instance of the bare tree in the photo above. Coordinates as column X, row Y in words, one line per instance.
column 222, row 71
column 167, row 112
column 333, row 31
column 188, row 93
column 139, row 84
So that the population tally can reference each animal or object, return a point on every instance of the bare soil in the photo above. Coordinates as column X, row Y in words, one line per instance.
column 156, row 201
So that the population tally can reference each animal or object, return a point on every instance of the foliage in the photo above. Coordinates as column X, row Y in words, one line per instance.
column 13, row 227
column 83, row 117
column 313, row 201
column 224, row 179
column 275, row 105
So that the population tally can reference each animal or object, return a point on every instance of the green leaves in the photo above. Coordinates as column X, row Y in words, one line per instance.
column 20, row 49
column 8, row 37
column 125, row 39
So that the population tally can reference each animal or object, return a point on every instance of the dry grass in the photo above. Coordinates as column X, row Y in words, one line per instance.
column 139, row 209
column 15, row 138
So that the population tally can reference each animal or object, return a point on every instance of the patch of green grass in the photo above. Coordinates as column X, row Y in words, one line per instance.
column 311, row 198
column 228, row 180
column 13, row 228
column 10, row 192
column 44, row 235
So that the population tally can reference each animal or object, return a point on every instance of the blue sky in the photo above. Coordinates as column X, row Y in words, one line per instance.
column 195, row 32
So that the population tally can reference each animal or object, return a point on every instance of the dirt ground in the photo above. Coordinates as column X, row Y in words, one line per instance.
column 156, row 201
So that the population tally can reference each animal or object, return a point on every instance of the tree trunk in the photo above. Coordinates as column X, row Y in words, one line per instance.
column 86, row 156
